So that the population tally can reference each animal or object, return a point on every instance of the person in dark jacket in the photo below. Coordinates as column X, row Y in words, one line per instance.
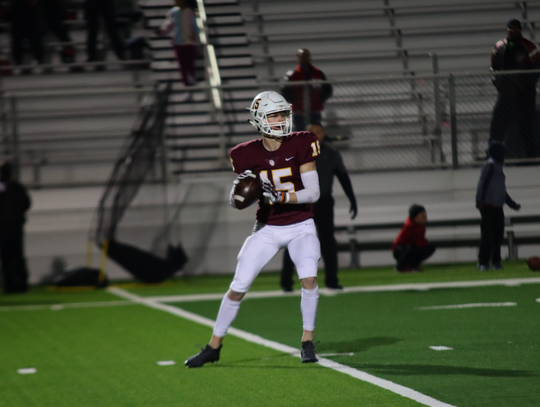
column 411, row 246
column 491, row 196
column 25, row 18
column 516, row 99
column 319, row 93
column 54, row 11
column 94, row 9
column 14, row 203
column 329, row 164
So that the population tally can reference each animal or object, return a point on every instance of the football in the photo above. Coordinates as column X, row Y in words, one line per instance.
column 247, row 191
column 534, row 263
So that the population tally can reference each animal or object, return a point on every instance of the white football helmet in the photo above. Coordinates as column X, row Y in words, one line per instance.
column 266, row 103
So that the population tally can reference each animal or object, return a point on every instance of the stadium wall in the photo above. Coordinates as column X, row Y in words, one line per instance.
column 212, row 232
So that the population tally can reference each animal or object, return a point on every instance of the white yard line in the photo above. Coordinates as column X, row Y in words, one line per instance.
column 59, row 307
column 368, row 289
column 474, row 305
column 440, row 348
column 386, row 384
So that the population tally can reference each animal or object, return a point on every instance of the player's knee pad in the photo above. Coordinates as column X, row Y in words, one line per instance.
column 306, row 254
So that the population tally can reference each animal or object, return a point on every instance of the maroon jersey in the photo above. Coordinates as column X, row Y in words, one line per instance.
column 282, row 168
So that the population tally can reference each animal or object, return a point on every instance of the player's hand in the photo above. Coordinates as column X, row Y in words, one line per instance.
column 353, row 210
column 242, row 176
column 518, row 207
column 270, row 192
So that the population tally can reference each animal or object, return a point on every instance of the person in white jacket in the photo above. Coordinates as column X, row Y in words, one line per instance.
column 181, row 25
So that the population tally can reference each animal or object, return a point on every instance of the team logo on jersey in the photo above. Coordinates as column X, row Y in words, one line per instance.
column 271, row 162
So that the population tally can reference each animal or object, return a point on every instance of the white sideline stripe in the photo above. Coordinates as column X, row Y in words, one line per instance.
column 475, row 305
column 513, row 282
column 441, row 348
column 358, row 374
column 58, row 307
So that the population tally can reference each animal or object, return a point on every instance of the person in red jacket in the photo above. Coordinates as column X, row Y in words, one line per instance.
column 411, row 247
column 319, row 92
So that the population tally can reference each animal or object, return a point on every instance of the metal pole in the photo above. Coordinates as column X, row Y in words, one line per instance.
column 4, row 118
column 437, row 131
column 353, row 247
column 453, row 120
column 15, row 138
column 165, row 161
column 307, row 106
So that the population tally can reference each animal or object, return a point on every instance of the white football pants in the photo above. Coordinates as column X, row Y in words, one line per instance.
column 266, row 240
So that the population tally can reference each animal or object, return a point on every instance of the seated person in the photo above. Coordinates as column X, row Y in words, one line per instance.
column 411, row 247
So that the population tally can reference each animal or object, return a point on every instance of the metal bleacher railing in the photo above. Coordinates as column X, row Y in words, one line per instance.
column 431, row 121
column 53, row 126
column 379, row 124
column 381, row 37
column 212, row 75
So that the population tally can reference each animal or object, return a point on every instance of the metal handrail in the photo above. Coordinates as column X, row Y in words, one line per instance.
column 77, row 92
column 214, row 78
column 435, row 7
column 78, row 64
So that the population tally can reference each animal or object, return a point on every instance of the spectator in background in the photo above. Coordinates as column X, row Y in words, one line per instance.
column 181, row 23
column 491, row 196
column 106, row 9
column 54, row 14
column 329, row 164
column 24, row 16
column 516, row 99
column 319, row 93
column 14, row 202
column 411, row 247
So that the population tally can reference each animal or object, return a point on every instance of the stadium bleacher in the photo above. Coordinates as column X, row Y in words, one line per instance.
column 71, row 118
column 347, row 35
column 71, row 124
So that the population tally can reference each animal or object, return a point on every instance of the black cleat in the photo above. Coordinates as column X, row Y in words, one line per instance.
column 308, row 352
column 208, row 354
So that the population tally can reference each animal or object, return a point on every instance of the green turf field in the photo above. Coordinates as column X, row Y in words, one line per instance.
column 89, row 354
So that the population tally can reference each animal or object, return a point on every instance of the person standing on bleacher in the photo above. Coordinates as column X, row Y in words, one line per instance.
column 53, row 11
column 516, row 93
column 329, row 164
column 181, row 22
column 491, row 196
column 106, row 9
column 25, row 17
column 319, row 93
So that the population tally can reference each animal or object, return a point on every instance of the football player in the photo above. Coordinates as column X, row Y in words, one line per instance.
column 285, row 162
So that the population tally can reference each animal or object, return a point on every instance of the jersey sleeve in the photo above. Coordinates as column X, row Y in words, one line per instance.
column 309, row 148
column 238, row 160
